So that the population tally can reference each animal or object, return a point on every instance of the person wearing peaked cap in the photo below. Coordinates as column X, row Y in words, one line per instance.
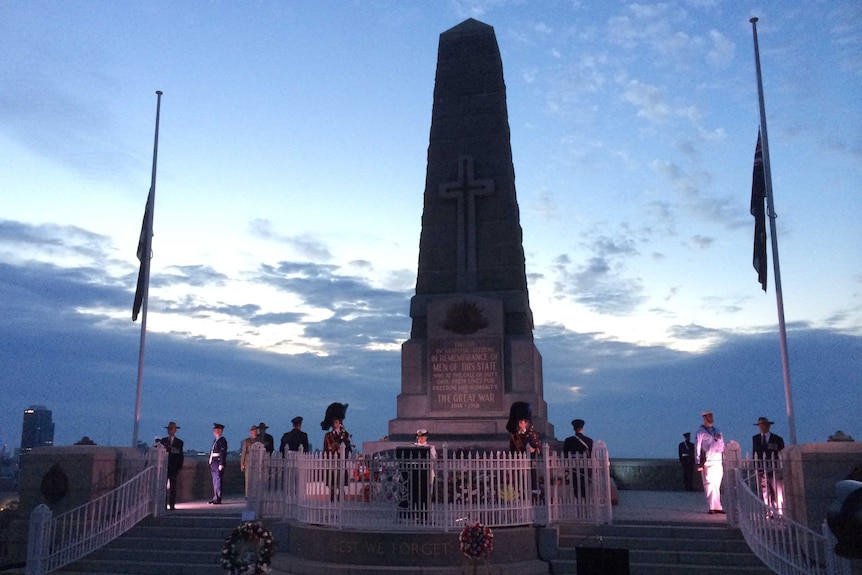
column 709, row 459
column 336, row 444
column 422, row 441
column 686, row 460
column 217, row 461
column 245, row 450
column 295, row 439
column 766, row 446
column 265, row 438
column 579, row 446
column 578, row 443
column 176, row 456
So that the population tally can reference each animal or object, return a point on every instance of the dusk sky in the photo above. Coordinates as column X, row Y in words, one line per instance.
column 291, row 172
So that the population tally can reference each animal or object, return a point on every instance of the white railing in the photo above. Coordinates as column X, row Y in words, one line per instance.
column 385, row 492
column 755, row 490
column 579, row 487
column 59, row 541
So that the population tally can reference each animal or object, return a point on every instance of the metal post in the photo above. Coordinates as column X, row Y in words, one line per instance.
column 39, row 540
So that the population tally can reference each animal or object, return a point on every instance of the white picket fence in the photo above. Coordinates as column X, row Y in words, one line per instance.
column 385, row 492
column 58, row 541
column 755, row 490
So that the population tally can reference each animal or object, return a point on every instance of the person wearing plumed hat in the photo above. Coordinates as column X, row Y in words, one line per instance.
column 523, row 436
column 766, row 446
column 295, row 439
column 174, row 446
column 217, row 461
column 336, row 442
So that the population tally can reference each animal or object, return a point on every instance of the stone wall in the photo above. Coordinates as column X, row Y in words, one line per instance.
column 649, row 475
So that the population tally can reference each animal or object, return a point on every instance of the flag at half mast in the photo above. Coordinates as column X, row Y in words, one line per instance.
column 144, row 249
column 758, row 198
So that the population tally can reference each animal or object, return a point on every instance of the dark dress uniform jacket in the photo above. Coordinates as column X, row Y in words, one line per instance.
column 769, row 449
column 293, row 439
column 175, row 454
column 219, row 452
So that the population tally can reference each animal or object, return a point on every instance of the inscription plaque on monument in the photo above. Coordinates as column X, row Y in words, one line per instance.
column 466, row 374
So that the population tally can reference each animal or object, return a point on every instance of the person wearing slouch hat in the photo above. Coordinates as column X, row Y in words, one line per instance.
column 174, row 446
column 766, row 447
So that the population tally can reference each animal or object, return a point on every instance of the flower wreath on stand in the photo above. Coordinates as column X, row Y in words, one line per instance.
column 477, row 541
column 248, row 550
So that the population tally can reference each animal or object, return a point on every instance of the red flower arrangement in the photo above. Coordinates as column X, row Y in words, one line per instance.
column 476, row 540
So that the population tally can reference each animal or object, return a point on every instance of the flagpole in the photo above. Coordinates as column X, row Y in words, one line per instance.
column 779, row 299
column 145, row 268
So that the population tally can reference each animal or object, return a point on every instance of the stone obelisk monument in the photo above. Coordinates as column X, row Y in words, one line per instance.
column 471, row 353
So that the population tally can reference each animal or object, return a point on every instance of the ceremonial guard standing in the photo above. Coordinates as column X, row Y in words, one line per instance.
column 218, row 460
column 686, row 459
column 174, row 446
column 294, row 439
column 336, row 445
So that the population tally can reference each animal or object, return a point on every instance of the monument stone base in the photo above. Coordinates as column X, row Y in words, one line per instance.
column 336, row 551
column 812, row 471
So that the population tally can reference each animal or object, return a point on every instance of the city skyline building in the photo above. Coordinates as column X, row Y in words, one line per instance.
column 37, row 429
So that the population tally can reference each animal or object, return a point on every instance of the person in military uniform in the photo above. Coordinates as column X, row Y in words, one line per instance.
column 709, row 459
column 581, row 446
column 686, row 460
column 265, row 438
column 244, row 452
column 218, row 460
column 174, row 446
column 294, row 439
column 766, row 447
column 336, row 444
column 523, row 438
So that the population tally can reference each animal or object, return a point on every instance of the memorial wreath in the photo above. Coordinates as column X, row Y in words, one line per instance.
column 248, row 550
column 476, row 540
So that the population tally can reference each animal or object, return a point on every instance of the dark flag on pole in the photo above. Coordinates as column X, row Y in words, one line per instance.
column 758, row 197
column 144, row 248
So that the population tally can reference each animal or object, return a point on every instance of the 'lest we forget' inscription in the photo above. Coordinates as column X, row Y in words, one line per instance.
column 466, row 374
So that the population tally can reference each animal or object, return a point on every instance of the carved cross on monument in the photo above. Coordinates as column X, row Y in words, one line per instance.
column 464, row 191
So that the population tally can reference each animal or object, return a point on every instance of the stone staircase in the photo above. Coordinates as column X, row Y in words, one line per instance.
column 177, row 543
column 661, row 548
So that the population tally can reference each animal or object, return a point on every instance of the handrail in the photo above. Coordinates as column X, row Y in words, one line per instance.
column 785, row 546
column 56, row 542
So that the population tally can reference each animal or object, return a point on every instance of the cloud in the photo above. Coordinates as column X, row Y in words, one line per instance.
column 61, row 346
column 648, row 99
column 306, row 245
column 721, row 52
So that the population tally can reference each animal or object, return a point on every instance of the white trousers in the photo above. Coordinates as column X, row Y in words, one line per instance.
column 713, row 472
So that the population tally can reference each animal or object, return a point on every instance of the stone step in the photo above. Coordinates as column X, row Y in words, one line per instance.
column 663, row 549
column 137, row 567
column 175, row 544
column 284, row 564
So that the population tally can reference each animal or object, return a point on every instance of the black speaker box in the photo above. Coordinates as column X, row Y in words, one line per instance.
column 602, row 561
